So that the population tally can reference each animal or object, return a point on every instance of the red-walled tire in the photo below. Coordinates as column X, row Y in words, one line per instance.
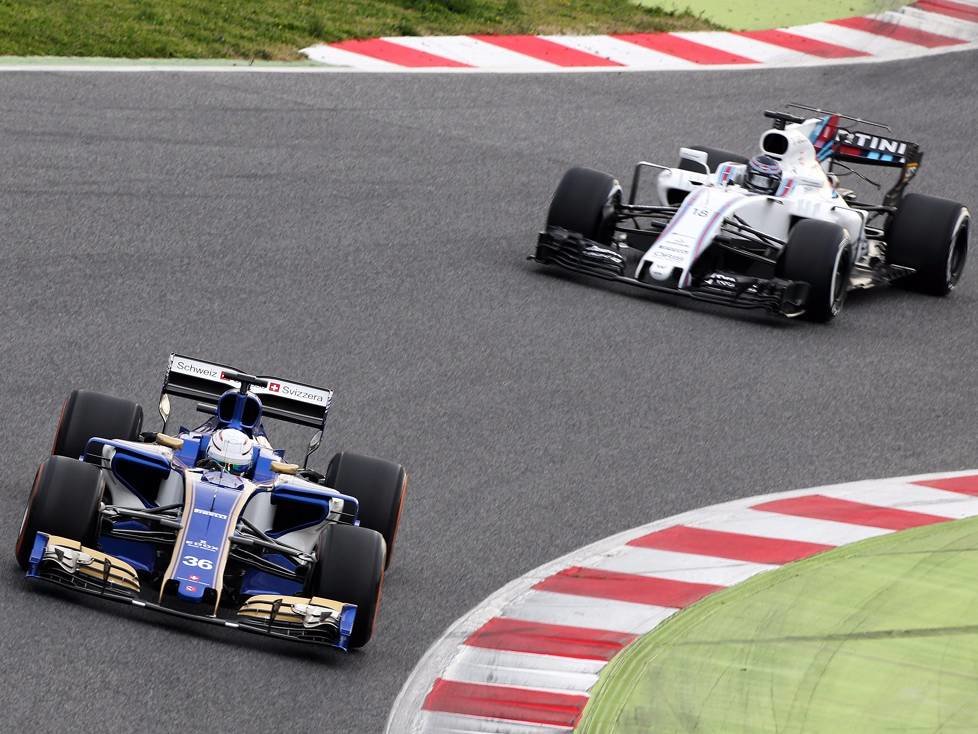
column 350, row 568
column 379, row 487
column 63, row 501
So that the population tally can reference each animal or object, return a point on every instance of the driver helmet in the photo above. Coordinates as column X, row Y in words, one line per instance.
column 763, row 175
column 231, row 450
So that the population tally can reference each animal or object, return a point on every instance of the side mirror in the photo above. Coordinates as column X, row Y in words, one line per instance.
column 164, row 410
column 317, row 438
column 696, row 156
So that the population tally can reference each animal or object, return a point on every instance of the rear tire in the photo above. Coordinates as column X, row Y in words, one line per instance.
column 63, row 501
column 930, row 235
column 379, row 487
column 586, row 202
column 350, row 568
column 714, row 157
column 88, row 414
column 818, row 253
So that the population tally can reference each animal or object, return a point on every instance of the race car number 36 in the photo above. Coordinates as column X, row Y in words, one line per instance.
column 196, row 562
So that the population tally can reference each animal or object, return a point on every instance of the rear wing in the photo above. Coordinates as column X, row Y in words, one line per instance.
column 285, row 400
column 868, row 148
column 844, row 139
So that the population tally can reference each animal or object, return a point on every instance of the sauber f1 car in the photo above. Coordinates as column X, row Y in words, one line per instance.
column 776, row 232
column 213, row 523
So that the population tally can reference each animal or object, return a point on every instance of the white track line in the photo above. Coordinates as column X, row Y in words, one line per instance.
column 680, row 566
column 473, row 52
column 526, row 670
column 943, row 25
column 871, row 43
column 622, row 52
column 439, row 723
column 915, row 499
column 765, row 53
column 328, row 55
column 786, row 527
column 586, row 611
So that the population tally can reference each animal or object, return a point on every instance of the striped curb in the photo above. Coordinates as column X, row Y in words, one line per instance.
column 525, row 659
column 926, row 27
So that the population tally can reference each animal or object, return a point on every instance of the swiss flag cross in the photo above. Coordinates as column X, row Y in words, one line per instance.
column 274, row 387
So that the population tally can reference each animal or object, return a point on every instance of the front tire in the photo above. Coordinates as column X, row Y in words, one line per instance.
column 86, row 415
column 929, row 235
column 64, row 501
column 350, row 568
column 586, row 202
column 818, row 253
column 379, row 487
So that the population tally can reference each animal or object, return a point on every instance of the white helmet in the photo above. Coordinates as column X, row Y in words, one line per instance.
column 231, row 449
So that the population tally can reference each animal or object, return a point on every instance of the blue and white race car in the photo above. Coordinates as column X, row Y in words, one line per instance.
column 212, row 523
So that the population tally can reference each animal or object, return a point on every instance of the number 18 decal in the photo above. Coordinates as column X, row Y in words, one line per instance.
column 201, row 563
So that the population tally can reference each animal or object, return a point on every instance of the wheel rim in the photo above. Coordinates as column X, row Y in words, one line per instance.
column 958, row 252
column 606, row 226
column 838, row 291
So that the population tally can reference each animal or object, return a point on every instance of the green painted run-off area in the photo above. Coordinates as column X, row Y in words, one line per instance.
column 767, row 14
column 879, row 636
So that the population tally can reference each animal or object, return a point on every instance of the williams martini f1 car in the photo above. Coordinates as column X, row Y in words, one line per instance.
column 777, row 231
column 212, row 523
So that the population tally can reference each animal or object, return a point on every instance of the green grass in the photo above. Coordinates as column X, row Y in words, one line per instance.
column 880, row 636
column 774, row 13
column 276, row 29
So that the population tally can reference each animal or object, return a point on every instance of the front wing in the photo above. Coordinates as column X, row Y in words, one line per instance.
column 69, row 564
column 572, row 251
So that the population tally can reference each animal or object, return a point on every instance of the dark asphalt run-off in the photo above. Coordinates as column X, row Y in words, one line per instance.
column 369, row 233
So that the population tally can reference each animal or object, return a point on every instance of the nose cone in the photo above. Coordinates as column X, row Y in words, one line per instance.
column 187, row 596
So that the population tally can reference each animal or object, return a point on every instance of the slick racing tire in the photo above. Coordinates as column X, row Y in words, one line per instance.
column 64, row 501
column 714, row 157
column 350, row 568
column 88, row 414
column 586, row 202
column 929, row 235
column 379, row 487
column 818, row 253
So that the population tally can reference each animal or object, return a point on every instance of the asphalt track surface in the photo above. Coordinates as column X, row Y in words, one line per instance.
column 369, row 233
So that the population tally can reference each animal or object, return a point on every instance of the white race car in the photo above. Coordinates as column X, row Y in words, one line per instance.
column 776, row 231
